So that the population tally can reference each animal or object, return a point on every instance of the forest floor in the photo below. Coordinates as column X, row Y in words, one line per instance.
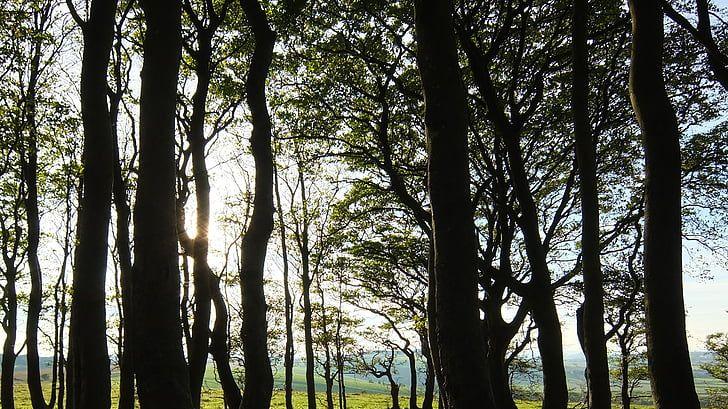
column 212, row 399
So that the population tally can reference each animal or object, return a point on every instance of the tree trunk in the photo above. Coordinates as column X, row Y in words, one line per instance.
column 29, row 158
column 667, row 348
column 10, row 327
column 329, row 390
column 626, row 399
column 288, row 307
column 394, row 392
column 433, row 347
column 339, row 357
column 540, row 297
column 220, row 349
column 159, row 363
column 92, row 375
column 258, row 373
column 428, row 398
column 540, row 293
column 306, row 280
column 595, row 347
column 499, row 375
column 413, row 378
column 308, row 334
column 328, row 375
column 201, row 273
column 123, row 247
column 461, row 351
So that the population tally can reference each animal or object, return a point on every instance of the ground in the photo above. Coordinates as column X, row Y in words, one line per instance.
column 212, row 399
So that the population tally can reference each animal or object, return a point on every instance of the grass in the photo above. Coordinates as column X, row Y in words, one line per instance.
column 212, row 399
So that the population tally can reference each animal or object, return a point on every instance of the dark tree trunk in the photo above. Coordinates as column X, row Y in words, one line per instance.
column 413, row 378
column 624, row 385
column 499, row 375
column 123, row 246
column 258, row 373
column 540, row 293
column 329, row 389
column 92, row 375
column 308, row 333
column 393, row 391
column 667, row 347
column 29, row 159
column 458, row 332
column 220, row 349
column 201, row 273
column 595, row 347
column 339, row 353
column 428, row 398
column 306, row 280
column 10, row 327
column 550, row 346
column 433, row 351
column 159, row 363
column 328, row 374
column 540, row 297
column 288, row 353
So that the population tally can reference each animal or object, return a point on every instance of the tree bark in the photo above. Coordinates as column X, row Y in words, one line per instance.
column 413, row 378
column 92, row 375
column 667, row 348
column 458, row 332
column 499, row 374
column 595, row 347
column 394, row 392
column 29, row 160
column 258, row 373
column 123, row 245
column 540, row 293
column 10, row 327
column 288, row 354
column 201, row 273
column 328, row 375
column 624, row 385
column 220, row 349
column 428, row 398
column 306, row 280
column 159, row 363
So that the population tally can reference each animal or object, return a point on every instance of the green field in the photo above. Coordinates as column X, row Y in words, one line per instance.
column 212, row 399
column 362, row 393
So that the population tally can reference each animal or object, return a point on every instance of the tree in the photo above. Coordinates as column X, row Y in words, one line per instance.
column 380, row 364
column 119, row 86
column 458, row 332
column 40, row 48
column 595, row 348
column 89, row 354
column 205, row 24
column 510, row 128
column 703, row 34
column 258, row 373
column 159, row 362
column 288, row 353
column 667, row 349
column 717, row 344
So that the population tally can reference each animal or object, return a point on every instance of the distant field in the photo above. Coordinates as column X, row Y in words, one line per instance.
column 362, row 393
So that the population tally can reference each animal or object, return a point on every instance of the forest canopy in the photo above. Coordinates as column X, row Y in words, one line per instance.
column 413, row 204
